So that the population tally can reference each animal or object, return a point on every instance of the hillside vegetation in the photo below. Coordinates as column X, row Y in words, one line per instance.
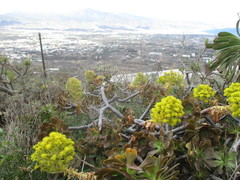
column 176, row 126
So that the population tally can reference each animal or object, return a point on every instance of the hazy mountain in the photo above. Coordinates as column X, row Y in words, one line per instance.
column 90, row 15
column 91, row 20
column 216, row 31
column 8, row 22
column 77, row 20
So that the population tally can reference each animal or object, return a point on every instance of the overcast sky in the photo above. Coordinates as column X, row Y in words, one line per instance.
column 212, row 11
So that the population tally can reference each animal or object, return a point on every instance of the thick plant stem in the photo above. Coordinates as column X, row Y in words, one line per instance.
column 6, row 90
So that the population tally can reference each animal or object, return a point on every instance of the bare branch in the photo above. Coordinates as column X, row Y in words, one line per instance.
column 83, row 126
column 85, row 162
column 104, row 98
column 101, row 116
column 15, row 70
column 235, row 172
column 131, row 129
column 115, row 111
column 180, row 128
column 125, row 136
column 188, row 79
column 148, row 109
column 179, row 59
column 6, row 90
column 129, row 97
column 26, row 70
column 190, row 88
column 114, row 98
column 91, row 94
column 213, row 177
column 235, row 144
column 208, row 119
column 139, row 158
column 107, row 106
column 140, row 122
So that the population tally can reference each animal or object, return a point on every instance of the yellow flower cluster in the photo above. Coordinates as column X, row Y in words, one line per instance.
column 171, row 78
column 168, row 110
column 74, row 88
column 54, row 153
column 234, row 87
column 203, row 92
column 139, row 80
column 233, row 94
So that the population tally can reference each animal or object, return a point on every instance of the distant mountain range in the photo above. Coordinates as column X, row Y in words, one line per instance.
column 7, row 23
column 82, row 20
column 216, row 31
column 90, row 20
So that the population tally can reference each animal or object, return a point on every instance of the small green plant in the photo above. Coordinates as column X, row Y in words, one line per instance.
column 3, row 59
column 27, row 62
column 139, row 80
column 225, row 161
column 10, row 75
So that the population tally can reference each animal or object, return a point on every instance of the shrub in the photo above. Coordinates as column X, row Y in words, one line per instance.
column 75, row 89
column 89, row 76
column 139, row 80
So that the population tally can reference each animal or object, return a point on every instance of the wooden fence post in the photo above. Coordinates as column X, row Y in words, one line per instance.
column 43, row 61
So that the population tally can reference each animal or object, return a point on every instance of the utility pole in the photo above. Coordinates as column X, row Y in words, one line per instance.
column 43, row 61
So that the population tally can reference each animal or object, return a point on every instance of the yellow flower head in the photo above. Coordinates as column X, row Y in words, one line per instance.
column 171, row 78
column 52, row 156
column 234, row 87
column 168, row 110
column 233, row 94
column 203, row 92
